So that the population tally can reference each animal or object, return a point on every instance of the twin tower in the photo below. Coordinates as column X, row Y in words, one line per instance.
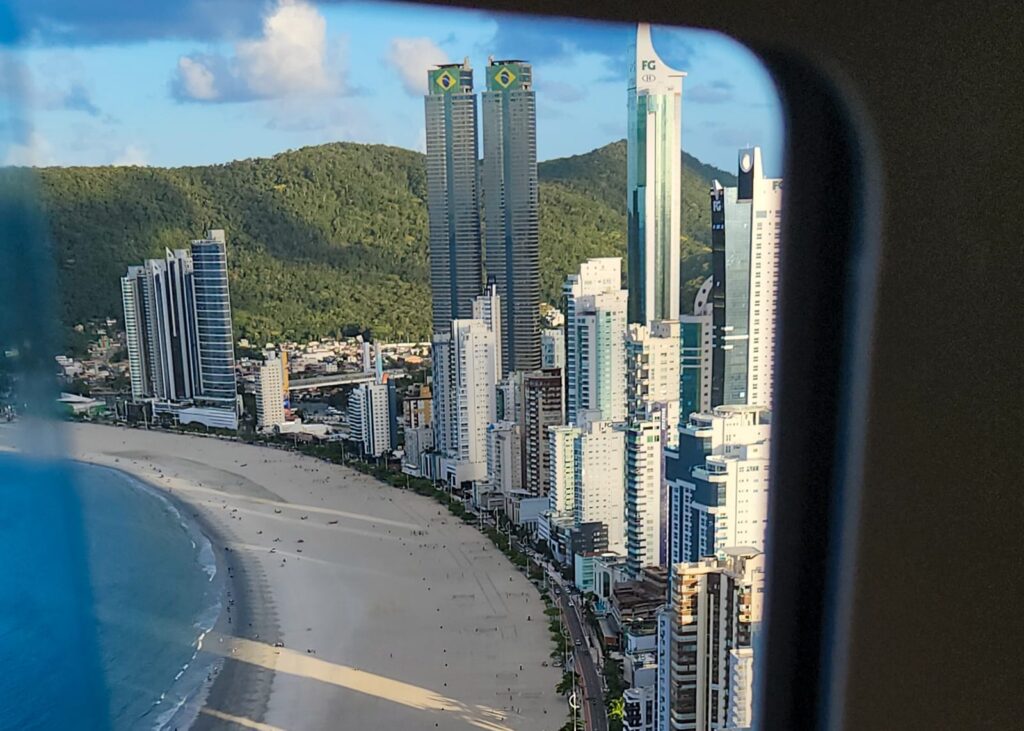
column 506, row 240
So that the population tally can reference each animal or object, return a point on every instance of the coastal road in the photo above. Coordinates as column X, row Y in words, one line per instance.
column 593, row 695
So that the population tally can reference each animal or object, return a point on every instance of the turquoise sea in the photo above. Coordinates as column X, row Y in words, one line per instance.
column 106, row 590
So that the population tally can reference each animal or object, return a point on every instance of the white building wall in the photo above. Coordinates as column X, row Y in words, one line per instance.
column 552, row 348
column 740, row 446
column 504, row 457
column 643, row 495
column 477, row 366
column 600, row 494
column 376, row 427
column 354, row 415
column 270, row 394
column 741, row 687
column 765, row 239
column 587, row 355
column 562, row 473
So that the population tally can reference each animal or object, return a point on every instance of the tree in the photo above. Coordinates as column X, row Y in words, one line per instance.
column 326, row 239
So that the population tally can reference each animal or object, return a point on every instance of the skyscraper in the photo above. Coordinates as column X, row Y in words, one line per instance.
column 652, row 397
column 174, row 344
column 133, row 297
column 504, row 458
column 452, row 193
column 745, row 234
column 654, row 161
column 595, row 330
column 467, row 364
column 372, row 417
column 703, row 623
column 599, row 496
column 177, row 315
column 652, row 375
column 643, row 495
column 511, row 208
column 213, row 320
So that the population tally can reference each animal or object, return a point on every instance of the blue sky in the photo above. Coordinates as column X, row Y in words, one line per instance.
column 208, row 81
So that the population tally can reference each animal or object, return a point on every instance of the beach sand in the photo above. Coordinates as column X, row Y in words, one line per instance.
column 392, row 613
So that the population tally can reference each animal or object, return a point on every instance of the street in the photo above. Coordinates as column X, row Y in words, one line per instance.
column 593, row 695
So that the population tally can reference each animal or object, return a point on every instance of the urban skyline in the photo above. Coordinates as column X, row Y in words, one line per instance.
column 592, row 456
column 87, row 96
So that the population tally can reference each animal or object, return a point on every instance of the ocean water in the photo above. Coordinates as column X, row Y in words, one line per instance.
column 106, row 591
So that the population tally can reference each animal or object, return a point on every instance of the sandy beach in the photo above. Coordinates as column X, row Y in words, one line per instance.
column 392, row 614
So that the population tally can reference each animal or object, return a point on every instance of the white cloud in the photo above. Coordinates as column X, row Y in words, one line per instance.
column 412, row 58
column 131, row 155
column 291, row 57
column 35, row 151
column 196, row 80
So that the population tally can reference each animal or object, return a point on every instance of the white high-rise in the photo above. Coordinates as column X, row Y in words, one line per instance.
column 595, row 328
column 504, row 458
column 599, row 496
column 720, row 494
column 467, row 367
column 562, row 477
column 746, row 227
column 652, row 375
column 552, row 348
column 133, row 297
column 270, row 394
column 643, row 495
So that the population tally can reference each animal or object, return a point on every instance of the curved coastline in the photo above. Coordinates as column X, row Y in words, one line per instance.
column 349, row 603
column 230, row 687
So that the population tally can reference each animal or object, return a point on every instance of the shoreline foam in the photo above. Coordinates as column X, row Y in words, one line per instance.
column 391, row 612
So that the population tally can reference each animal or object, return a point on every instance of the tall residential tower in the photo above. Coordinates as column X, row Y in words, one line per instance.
column 511, row 208
column 745, row 234
column 654, row 162
column 453, row 204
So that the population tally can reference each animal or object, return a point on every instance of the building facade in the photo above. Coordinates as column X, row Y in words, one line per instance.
column 703, row 631
column 467, row 366
column 695, row 334
column 510, row 193
column 134, row 300
column 599, row 495
column 719, row 482
column 745, row 235
column 504, row 458
column 543, row 408
column 643, row 495
column 595, row 328
column 652, row 375
column 378, row 431
column 562, row 476
column 453, row 201
column 177, row 315
column 654, row 170
column 217, row 381
column 552, row 348
column 270, row 394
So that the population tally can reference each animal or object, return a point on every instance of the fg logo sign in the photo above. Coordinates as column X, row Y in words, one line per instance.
column 648, row 65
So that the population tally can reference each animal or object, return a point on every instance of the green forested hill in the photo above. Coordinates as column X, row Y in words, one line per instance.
column 327, row 237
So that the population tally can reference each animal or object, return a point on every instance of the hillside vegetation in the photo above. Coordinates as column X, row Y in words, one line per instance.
column 326, row 239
